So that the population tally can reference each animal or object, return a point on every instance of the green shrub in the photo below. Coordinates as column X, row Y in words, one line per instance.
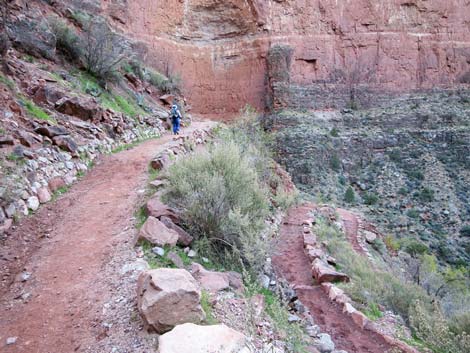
column 413, row 247
column 391, row 243
column 335, row 163
column 334, row 132
column 412, row 213
column 373, row 312
column 426, row 195
column 433, row 329
column 465, row 231
column 370, row 199
column 222, row 199
column 349, row 196
column 165, row 84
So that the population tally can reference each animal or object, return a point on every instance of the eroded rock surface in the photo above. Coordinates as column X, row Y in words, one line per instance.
column 168, row 297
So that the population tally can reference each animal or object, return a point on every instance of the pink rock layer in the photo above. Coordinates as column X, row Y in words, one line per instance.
column 219, row 48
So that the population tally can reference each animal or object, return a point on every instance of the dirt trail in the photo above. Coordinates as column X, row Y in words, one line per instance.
column 69, row 244
column 351, row 228
column 291, row 263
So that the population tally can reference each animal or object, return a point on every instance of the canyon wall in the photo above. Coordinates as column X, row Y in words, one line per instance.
column 219, row 48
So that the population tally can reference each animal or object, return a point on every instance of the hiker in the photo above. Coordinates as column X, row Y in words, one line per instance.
column 176, row 117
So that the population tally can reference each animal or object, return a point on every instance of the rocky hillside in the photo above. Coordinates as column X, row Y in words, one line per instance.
column 405, row 165
column 68, row 94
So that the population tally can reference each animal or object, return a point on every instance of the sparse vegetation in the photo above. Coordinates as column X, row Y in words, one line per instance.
column 68, row 42
column 7, row 82
column 35, row 111
column 371, row 286
column 206, row 306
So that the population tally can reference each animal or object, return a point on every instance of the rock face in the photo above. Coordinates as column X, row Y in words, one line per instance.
column 157, row 233
column 168, row 297
column 190, row 338
column 222, row 46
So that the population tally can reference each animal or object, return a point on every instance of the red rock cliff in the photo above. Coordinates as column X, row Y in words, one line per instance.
column 219, row 47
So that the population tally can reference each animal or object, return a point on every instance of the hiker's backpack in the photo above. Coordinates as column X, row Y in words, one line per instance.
column 174, row 115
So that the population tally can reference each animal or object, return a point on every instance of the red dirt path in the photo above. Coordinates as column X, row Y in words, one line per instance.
column 291, row 263
column 65, row 246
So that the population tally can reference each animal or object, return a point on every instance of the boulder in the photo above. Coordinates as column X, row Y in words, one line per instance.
column 48, row 94
column 184, row 239
column 6, row 225
column 168, row 297
column 6, row 141
column 66, row 143
column 211, row 281
column 157, row 233
column 323, row 272
column 168, row 99
column 156, row 208
column 84, row 109
column 324, row 343
column 51, row 131
column 33, row 203
column 369, row 236
column 27, row 139
column 190, row 338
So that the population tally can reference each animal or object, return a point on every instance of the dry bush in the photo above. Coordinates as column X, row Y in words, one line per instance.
column 104, row 51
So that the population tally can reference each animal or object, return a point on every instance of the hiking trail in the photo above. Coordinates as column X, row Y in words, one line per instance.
column 291, row 263
column 67, row 247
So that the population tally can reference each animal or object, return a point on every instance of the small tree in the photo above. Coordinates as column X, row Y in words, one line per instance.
column 104, row 50
column 349, row 196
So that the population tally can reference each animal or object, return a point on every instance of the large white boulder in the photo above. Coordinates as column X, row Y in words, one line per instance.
column 168, row 297
column 190, row 338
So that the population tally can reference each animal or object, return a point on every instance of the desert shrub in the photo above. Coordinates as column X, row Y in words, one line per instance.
column 104, row 51
column 165, row 84
column 335, row 163
column 426, row 195
column 68, row 42
column 391, row 243
column 432, row 328
column 413, row 247
column 222, row 199
column 349, row 196
column 370, row 199
column 465, row 231
column 334, row 132
column 412, row 213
